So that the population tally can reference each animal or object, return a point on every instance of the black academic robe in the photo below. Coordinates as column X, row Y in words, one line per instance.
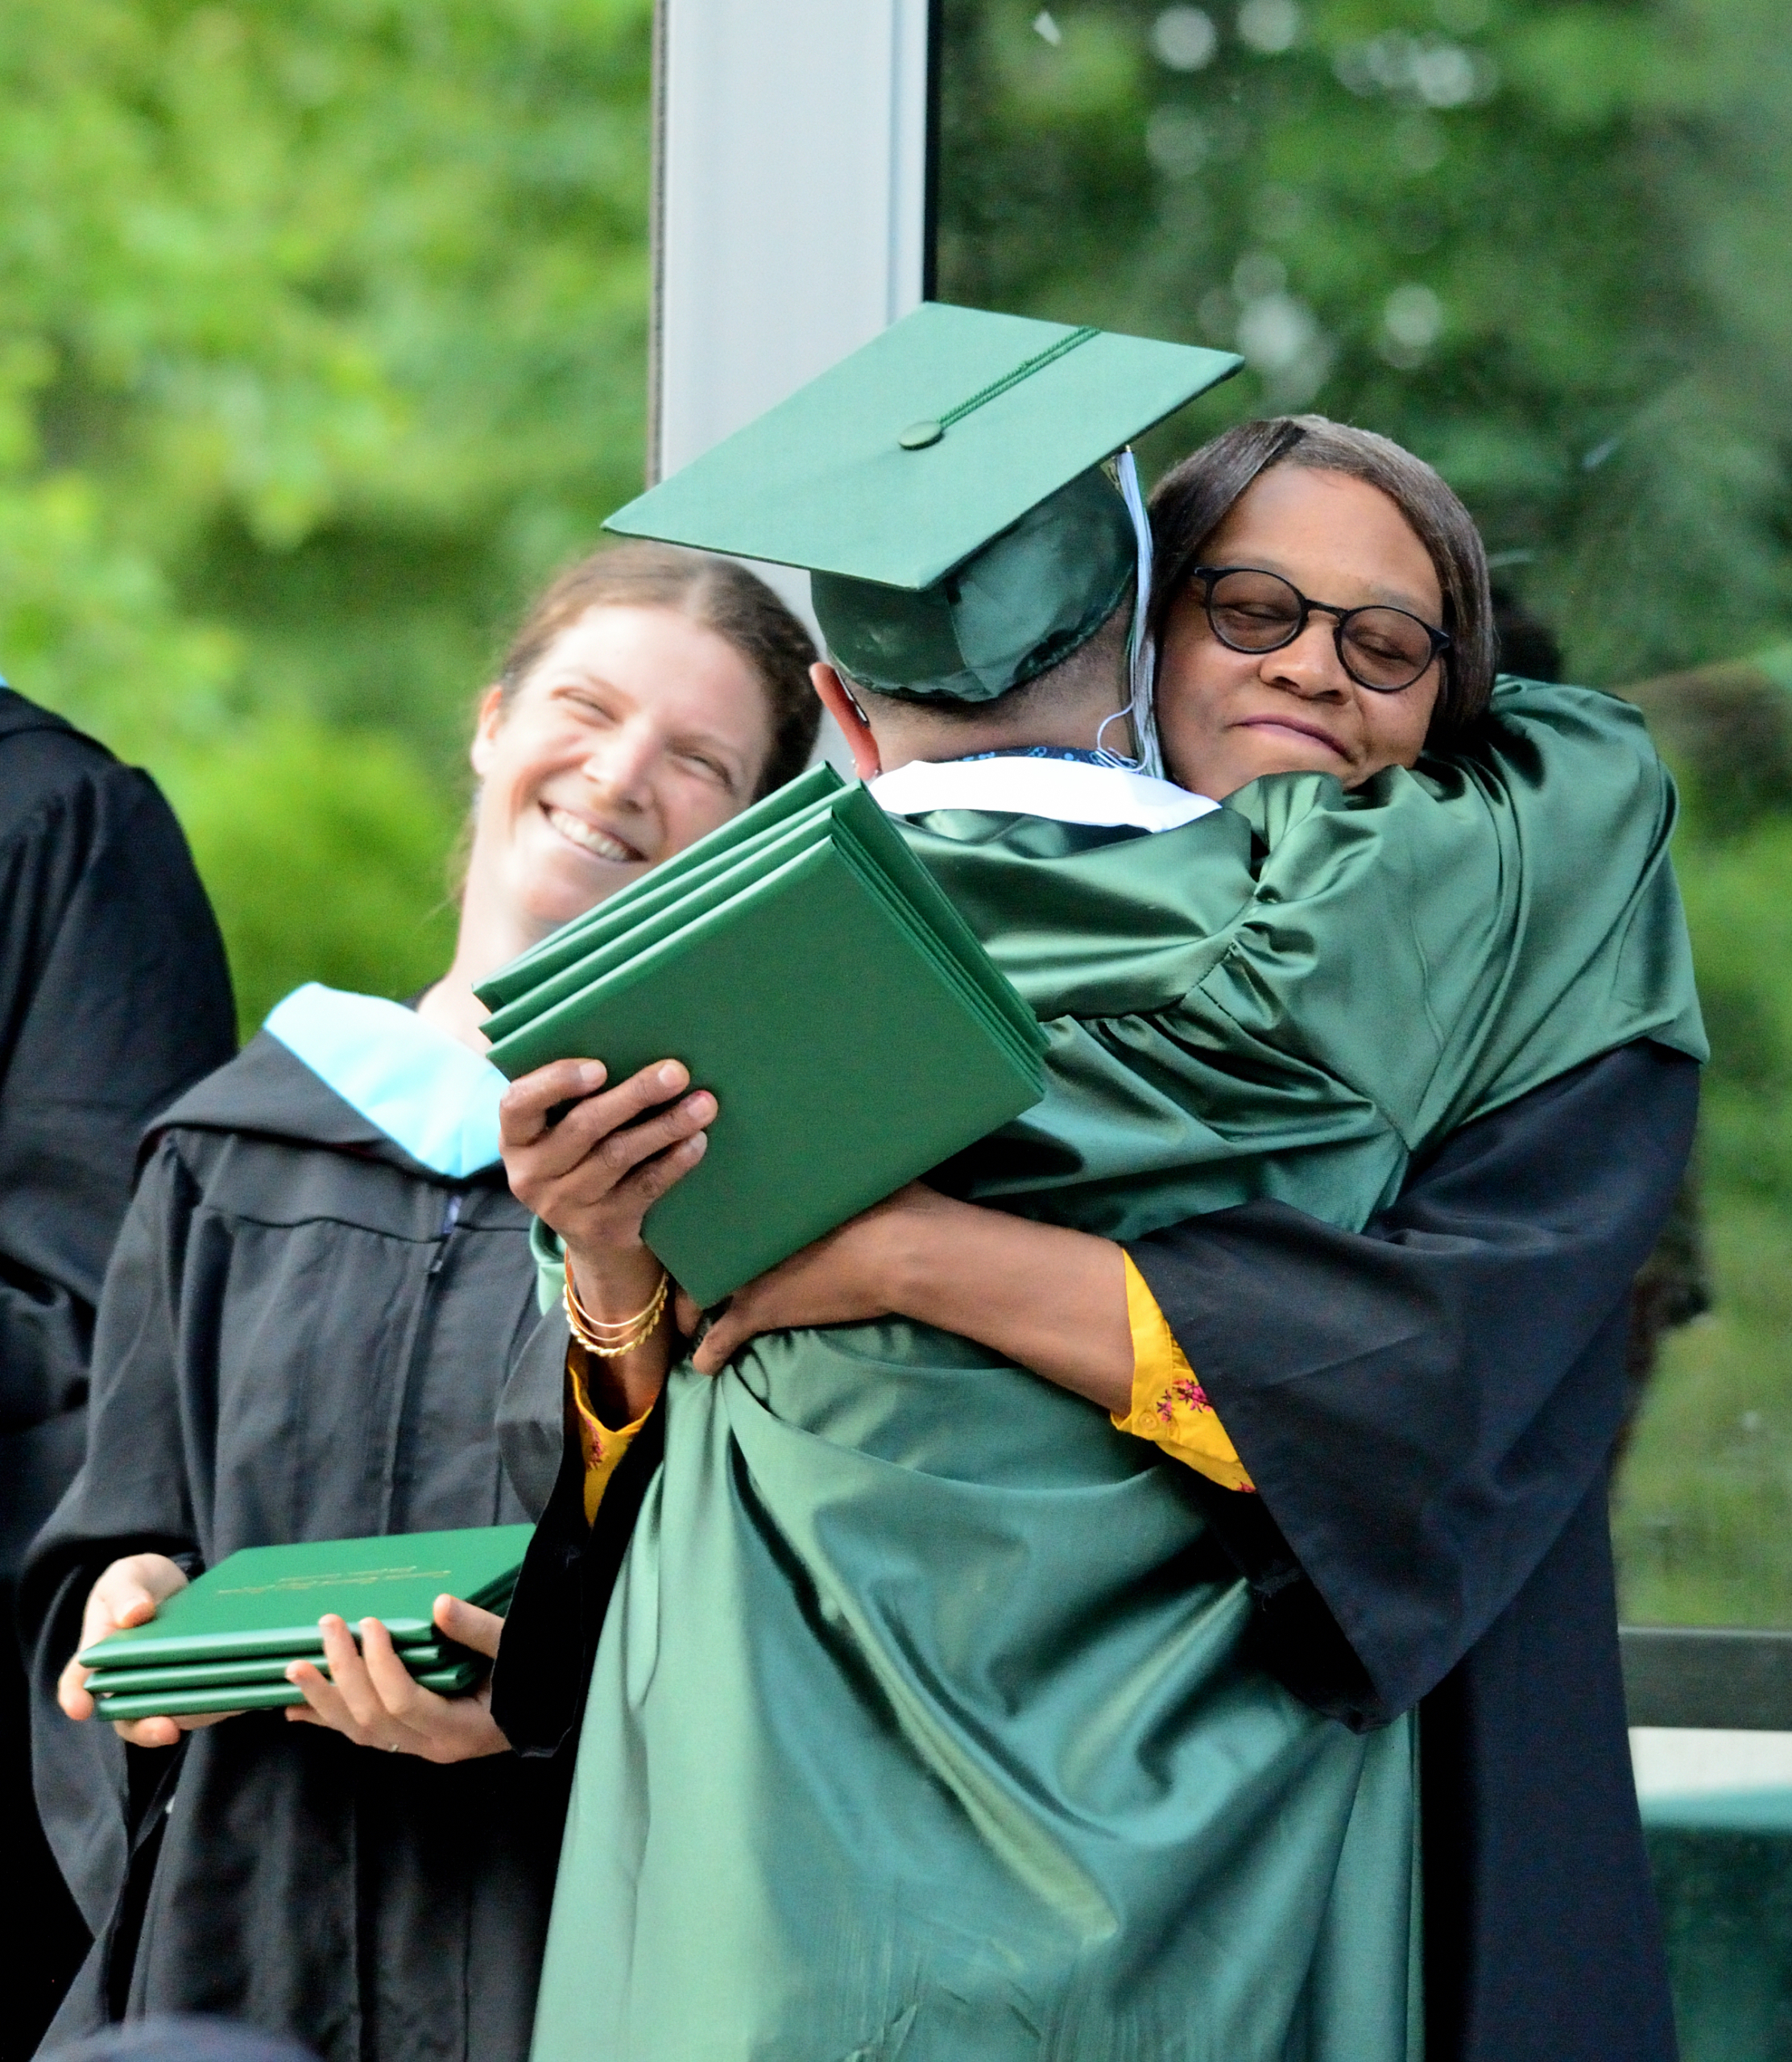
column 114, row 996
column 1428, row 1410
column 303, row 1336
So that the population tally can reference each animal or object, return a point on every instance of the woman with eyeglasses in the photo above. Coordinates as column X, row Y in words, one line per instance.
column 1400, row 1435
column 1321, row 607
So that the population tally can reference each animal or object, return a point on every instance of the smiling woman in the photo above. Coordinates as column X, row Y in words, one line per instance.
column 318, row 1296
column 1259, row 675
column 649, row 695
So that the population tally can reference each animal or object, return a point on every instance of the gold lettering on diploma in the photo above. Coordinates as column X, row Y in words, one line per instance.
column 293, row 1585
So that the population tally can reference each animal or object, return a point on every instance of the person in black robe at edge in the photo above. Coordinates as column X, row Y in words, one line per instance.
column 1426, row 1409
column 321, row 1284
column 115, row 997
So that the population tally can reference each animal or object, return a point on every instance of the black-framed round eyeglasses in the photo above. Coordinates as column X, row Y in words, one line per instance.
column 1381, row 648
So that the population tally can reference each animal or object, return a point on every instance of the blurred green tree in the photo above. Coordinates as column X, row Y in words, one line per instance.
column 1537, row 241
column 321, row 340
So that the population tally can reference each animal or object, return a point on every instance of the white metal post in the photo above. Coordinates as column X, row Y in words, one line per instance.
column 789, row 211
column 790, row 199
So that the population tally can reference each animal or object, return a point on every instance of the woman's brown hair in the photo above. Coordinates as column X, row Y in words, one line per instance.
column 1194, row 498
column 715, row 593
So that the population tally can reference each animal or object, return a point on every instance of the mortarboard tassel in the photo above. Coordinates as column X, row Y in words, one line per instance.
column 1141, row 656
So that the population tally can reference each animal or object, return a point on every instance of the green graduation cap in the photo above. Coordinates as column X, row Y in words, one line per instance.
column 945, row 488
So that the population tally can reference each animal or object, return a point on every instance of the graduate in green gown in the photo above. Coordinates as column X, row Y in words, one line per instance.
column 922, row 1721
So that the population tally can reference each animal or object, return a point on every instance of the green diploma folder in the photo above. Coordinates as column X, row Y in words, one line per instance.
column 807, row 969
column 562, row 947
column 450, row 1682
column 223, row 1643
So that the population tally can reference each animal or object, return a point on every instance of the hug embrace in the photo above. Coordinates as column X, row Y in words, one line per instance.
column 1143, row 1591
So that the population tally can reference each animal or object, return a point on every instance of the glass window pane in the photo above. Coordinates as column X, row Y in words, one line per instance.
column 1545, row 245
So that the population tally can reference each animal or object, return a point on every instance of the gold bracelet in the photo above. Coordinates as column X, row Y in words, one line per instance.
column 605, row 1331
column 610, row 1341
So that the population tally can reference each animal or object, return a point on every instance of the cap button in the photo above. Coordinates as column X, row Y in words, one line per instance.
column 919, row 435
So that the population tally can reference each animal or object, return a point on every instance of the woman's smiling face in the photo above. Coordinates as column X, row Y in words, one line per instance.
column 637, row 732
column 1225, row 718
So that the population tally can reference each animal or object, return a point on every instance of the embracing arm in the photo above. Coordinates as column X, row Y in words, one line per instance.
column 1071, row 1307
column 1046, row 1298
column 1421, row 1405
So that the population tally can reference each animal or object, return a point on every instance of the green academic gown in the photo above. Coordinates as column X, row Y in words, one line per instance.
column 920, row 1724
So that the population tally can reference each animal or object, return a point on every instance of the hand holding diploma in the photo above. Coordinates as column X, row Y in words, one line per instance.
column 267, row 1627
column 371, row 1698
column 129, row 1593
column 592, row 1177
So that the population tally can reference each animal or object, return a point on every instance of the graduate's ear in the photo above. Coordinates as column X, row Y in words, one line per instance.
column 836, row 699
column 486, row 729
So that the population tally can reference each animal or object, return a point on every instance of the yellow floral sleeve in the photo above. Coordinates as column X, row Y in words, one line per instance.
column 602, row 1447
column 1170, row 1407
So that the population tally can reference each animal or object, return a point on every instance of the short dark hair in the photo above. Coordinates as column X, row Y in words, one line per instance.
column 1102, row 650
column 716, row 594
column 1194, row 498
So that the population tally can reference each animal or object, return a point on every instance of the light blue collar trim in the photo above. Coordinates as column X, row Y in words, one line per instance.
column 424, row 1089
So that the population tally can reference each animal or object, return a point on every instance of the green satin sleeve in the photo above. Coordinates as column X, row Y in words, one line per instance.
column 1288, row 999
column 1448, row 939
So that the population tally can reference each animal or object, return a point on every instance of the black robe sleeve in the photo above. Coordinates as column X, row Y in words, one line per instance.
column 1429, row 1409
column 86, row 1777
column 114, row 996
column 1425, row 1405
column 563, row 1593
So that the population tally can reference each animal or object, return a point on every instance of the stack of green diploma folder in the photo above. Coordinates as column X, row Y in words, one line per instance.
column 807, row 968
column 224, row 1643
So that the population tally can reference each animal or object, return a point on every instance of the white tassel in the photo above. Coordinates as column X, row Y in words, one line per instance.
column 1141, row 657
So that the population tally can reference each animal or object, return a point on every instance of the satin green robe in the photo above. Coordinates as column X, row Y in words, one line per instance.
column 920, row 1725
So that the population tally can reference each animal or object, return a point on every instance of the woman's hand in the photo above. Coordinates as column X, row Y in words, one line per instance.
column 854, row 1275
column 129, row 1593
column 371, row 1698
column 593, row 1175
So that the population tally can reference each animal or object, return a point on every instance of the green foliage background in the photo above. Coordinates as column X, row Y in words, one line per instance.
column 1543, row 243
column 321, row 340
